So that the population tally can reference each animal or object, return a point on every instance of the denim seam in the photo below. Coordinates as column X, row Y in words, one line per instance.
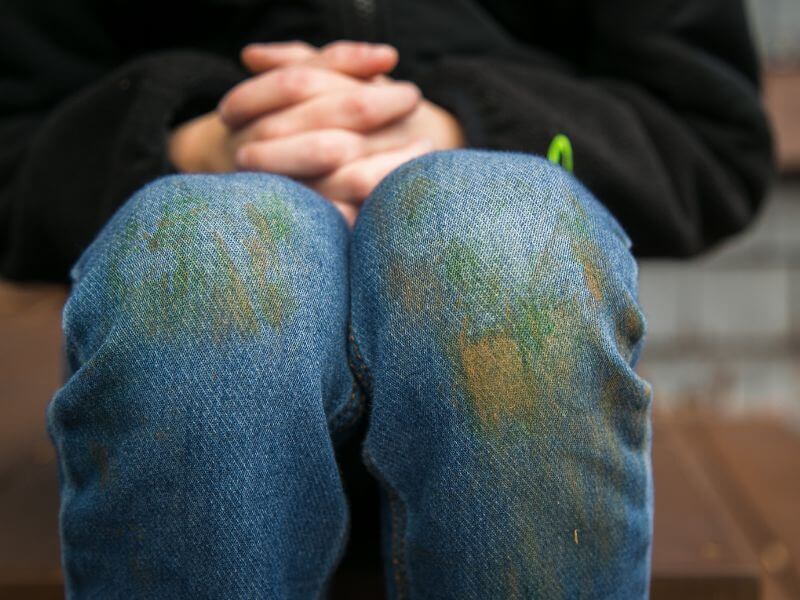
column 361, row 371
column 349, row 412
column 396, row 507
column 354, row 407
column 398, row 540
column 397, row 525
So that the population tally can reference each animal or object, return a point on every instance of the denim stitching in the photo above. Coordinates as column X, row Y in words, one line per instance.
column 348, row 413
column 398, row 540
column 397, row 525
column 396, row 507
column 354, row 407
column 363, row 375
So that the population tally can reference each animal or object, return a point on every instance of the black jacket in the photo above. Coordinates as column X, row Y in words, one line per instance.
column 659, row 97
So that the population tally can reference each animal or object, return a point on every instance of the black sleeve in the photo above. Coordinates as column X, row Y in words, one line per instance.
column 79, row 131
column 662, row 109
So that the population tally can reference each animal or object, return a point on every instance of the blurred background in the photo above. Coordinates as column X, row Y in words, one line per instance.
column 724, row 330
column 723, row 355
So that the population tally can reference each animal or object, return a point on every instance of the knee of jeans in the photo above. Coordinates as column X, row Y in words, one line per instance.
column 518, row 272
column 202, row 258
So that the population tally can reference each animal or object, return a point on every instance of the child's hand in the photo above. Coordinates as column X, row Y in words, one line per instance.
column 328, row 117
column 210, row 143
column 355, row 158
column 307, row 118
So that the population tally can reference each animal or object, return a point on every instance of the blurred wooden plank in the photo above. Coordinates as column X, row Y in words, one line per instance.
column 30, row 367
column 782, row 102
column 34, row 591
column 30, row 371
column 760, row 472
column 701, row 587
column 699, row 550
column 29, row 551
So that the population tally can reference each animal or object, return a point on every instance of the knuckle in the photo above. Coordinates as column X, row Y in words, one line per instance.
column 293, row 81
column 359, row 106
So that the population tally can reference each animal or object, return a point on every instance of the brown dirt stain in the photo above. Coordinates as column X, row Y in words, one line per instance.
column 495, row 376
column 591, row 274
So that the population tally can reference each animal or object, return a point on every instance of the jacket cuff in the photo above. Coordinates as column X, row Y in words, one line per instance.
column 163, row 91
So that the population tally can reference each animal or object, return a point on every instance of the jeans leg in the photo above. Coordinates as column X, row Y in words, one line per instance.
column 206, row 339
column 496, row 324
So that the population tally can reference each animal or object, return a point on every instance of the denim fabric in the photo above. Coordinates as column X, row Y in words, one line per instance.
column 226, row 332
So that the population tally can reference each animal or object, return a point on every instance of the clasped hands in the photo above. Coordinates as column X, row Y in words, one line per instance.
column 328, row 117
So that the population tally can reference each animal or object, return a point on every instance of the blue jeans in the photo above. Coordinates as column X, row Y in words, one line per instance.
column 226, row 333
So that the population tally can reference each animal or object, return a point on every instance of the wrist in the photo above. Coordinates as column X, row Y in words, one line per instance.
column 451, row 133
column 198, row 145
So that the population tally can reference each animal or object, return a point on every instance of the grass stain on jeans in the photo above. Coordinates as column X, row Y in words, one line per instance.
column 417, row 285
column 232, row 305
column 516, row 375
column 274, row 224
column 190, row 275
column 415, row 198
